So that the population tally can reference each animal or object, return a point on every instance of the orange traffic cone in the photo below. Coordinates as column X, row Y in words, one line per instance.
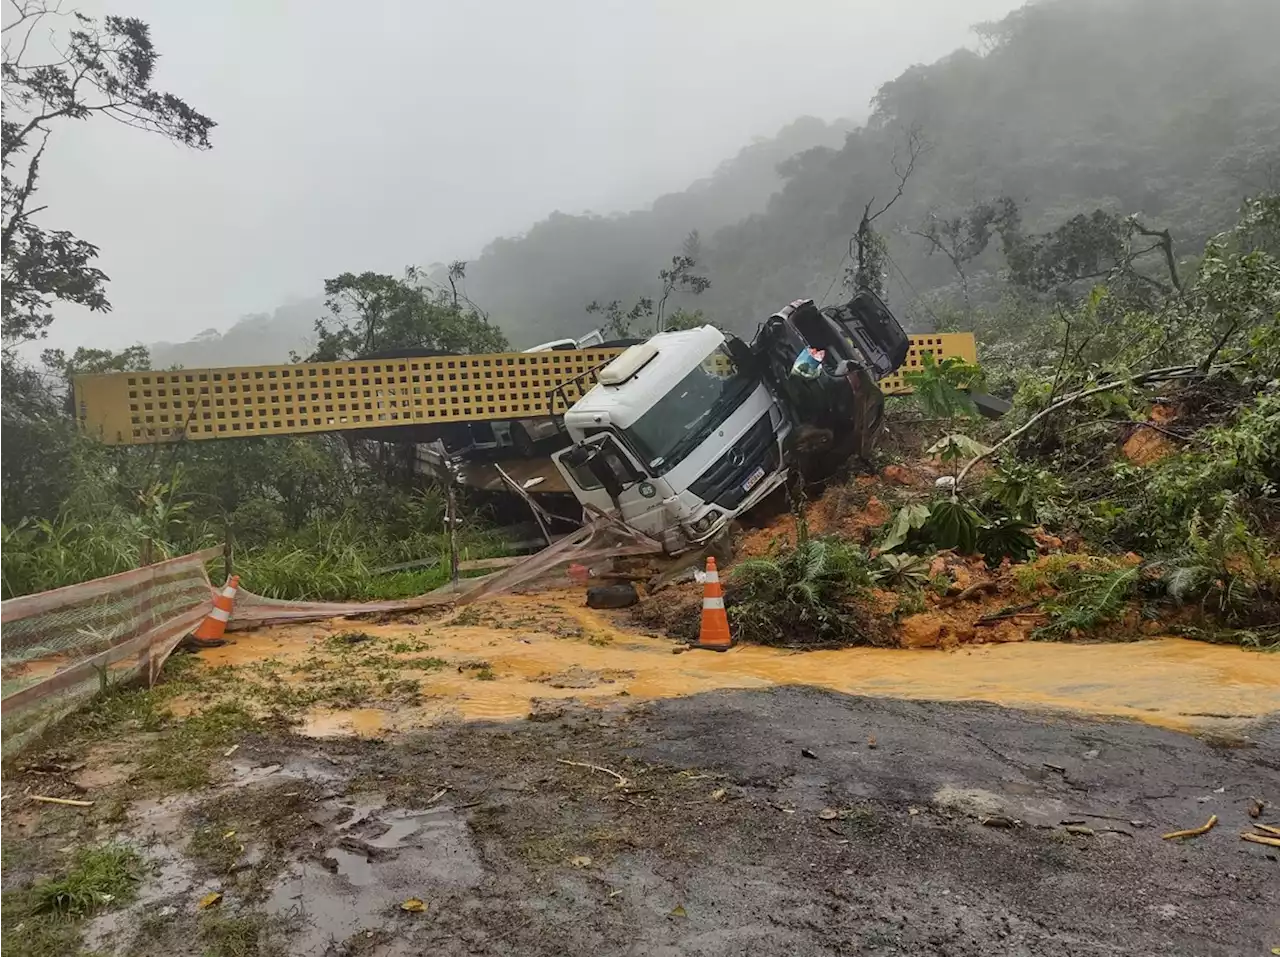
column 214, row 625
column 714, row 635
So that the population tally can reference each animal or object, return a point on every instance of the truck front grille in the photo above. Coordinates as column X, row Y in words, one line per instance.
column 722, row 482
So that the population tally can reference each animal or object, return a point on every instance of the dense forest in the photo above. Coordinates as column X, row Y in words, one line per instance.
column 1142, row 107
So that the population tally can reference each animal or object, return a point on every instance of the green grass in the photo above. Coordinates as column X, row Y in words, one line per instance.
column 101, row 875
column 45, row 919
column 345, row 639
column 181, row 759
column 243, row 935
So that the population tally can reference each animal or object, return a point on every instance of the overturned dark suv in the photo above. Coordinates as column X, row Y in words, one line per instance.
column 831, row 391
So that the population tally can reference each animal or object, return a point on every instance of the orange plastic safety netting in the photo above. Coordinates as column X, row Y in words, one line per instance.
column 60, row 647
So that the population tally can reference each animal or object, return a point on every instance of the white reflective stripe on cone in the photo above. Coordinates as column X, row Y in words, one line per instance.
column 220, row 614
column 229, row 591
column 712, row 577
column 712, row 603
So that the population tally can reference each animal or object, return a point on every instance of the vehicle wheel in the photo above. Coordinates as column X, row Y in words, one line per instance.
column 612, row 596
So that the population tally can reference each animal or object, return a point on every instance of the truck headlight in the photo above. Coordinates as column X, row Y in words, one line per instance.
column 704, row 523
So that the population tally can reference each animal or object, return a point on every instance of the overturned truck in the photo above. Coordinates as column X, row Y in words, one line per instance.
column 687, row 430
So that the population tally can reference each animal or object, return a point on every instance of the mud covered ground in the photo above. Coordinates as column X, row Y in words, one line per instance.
column 784, row 820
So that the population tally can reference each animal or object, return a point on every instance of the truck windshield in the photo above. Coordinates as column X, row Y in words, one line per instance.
column 682, row 418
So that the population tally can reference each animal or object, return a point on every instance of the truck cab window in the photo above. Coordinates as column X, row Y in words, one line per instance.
column 606, row 453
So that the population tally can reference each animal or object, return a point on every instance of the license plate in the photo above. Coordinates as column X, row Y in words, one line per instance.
column 753, row 480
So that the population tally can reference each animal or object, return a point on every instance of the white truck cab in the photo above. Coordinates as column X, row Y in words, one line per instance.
column 680, row 434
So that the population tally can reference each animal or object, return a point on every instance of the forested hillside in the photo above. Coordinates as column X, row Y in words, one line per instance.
column 1149, row 107
column 536, row 285
column 1135, row 106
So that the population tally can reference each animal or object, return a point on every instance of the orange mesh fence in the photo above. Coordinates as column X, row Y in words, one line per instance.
column 60, row 647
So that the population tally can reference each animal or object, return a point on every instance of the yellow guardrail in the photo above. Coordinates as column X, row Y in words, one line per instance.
column 124, row 408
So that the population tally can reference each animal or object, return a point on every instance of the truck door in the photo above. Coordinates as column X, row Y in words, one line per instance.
column 601, row 473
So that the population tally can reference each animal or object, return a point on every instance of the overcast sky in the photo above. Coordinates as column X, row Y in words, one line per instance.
column 368, row 136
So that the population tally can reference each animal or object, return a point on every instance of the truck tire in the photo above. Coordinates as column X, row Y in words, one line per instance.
column 622, row 595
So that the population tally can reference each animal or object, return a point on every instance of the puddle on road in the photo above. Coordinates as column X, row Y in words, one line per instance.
column 416, row 854
column 529, row 641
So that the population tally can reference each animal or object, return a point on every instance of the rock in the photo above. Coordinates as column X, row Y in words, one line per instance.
column 1008, row 631
column 621, row 595
column 921, row 631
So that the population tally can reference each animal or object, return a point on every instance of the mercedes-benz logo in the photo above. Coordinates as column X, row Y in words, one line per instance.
column 737, row 458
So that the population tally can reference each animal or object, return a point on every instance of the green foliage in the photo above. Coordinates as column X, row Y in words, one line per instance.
column 909, row 519
column 103, row 69
column 1237, row 461
column 952, row 525
column 955, row 448
column 939, row 387
column 99, row 875
column 374, row 313
column 1224, row 568
column 901, row 571
column 1022, row 489
column 648, row 316
column 1005, row 538
column 1097, row 599
column 802, row 595
column 239, row 935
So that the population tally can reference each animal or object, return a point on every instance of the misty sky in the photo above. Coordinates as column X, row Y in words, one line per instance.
column 369, row 136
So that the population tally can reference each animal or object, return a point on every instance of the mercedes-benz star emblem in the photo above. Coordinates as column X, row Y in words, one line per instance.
column 737, row 458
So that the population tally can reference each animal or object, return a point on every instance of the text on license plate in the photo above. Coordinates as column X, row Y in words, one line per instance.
column 753, row 479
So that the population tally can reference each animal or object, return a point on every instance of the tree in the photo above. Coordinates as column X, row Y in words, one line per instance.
column 373, row 312
column 94, row 70
column 964, row 237
column 679, row 277
column 1098, row 246
column 867, row 269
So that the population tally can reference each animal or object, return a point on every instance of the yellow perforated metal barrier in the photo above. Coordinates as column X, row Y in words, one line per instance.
column 942, row 344
column 140, row 407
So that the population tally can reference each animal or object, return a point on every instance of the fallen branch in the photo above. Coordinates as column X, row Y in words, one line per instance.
column 69, row 802
column 1154, row 375
column 622, row 781
column 1006, row 613
column 1169, row 432
column 967, row 593
column 1259, row 839
column 1204, row 828
column 1268, row 828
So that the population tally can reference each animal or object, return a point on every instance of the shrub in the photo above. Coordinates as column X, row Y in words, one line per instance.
column 802, row 595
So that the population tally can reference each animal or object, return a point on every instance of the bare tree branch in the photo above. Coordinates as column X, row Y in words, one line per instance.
column 916, row 147
column 1165, row 242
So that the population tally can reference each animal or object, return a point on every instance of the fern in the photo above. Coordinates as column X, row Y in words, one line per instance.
column 1222, row 567
column 800, row 595
column 1098, row 600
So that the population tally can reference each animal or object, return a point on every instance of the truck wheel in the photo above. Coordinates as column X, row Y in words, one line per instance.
column 612, row 596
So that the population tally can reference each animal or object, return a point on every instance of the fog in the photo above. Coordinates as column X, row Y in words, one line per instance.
column 358, row 137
